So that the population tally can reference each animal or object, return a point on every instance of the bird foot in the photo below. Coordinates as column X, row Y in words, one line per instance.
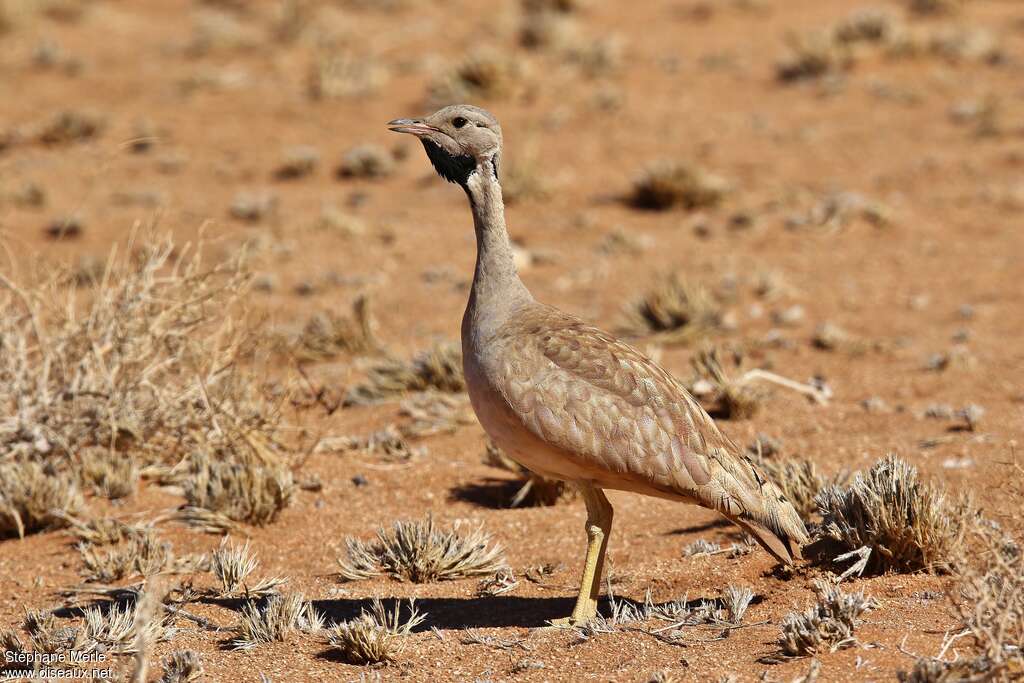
column 564, row 622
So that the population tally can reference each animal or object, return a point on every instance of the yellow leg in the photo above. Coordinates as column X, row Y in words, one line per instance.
column 599, row 527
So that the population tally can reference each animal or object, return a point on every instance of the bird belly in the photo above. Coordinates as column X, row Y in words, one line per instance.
column 509, row 434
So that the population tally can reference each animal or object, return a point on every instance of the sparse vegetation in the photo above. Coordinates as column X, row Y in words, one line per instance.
column 232, row 565
column 675, row 311
column 798, row 479
column 907, row 524
column 375, row 636
column 438, row 368
column 275, row 619
column 418, row 551
column 327, row 335
column 826, row 626
column 182, row 666
column 670, row 184
column 482, row 76
column 34, row 497
column 728, row 398
column 366, row 161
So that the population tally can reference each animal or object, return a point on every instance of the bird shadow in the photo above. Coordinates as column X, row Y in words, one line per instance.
column 460, row 613
column 704, row 526
column 492, row 493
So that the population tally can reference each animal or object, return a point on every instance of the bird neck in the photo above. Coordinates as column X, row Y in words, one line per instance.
column 497, row 290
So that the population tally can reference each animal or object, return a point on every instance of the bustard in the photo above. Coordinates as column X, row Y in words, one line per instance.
column 573, row 403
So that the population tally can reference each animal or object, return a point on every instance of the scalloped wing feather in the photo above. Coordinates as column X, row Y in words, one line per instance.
column 616, row 413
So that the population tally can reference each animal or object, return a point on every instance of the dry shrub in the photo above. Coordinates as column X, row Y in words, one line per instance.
column 560, row 6
column 990, row 603
column 798, row 479
column 431, row 412
column 69, row 126
column 418, row 551
column 275, row 619
column 931, row 7
column 243, row 486
column 143, row 554
column 907, row 525
column 483, row 75
column 34, row 497
column 389, row 443
column 121, row 627
column 375, row 636
column 47, row 635
column 298, row 162
column 341, row 75
column 812, row 55
column 838, row 210
column 438, row 368
column 966, row 670
column 675, row 311
column 105, row 531
column 328, row 335
column 232, row 565
column 182, row 666
column 148, row 369
column 870, row 25
column 535, row 490
column 723, row 396
column 366, row 161
column 671, row 184
column 112, row 475
column 826, row 626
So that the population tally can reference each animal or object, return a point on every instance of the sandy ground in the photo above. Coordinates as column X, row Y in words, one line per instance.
column 223, row 98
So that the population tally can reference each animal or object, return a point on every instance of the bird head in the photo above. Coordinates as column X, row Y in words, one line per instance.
column 458, row 139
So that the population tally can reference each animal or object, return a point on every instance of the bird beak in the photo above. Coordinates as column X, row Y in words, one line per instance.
column 412, row 126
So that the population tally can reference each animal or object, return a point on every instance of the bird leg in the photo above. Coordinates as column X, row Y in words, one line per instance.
column 598, row 527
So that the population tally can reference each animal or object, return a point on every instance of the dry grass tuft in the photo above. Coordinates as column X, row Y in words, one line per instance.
column 328, row 335
column 388, row 443
column 34, row 497
column 826, row 626
column 104, row 531
column 182, row 666
column 671, row 184
column 907, row 525
column 242, row 487
column 120, row 628
column 536, row 490
column 483, row 75
column 674, row 311
column 418, row 551
column 68, row 127
column 374, row 637
column 341, row 75
column 112, row 475
column 143, row 554
column 798, row 479
column 723, row 396
column 990, row 603
column 932, row 7
column 232, row 565
column 813, row 55
column 297, row 162
column 47, row 635
column 274, row 620
column 366, row 161
column 438, row 368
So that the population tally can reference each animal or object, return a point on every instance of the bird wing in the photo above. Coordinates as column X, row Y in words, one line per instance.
column 605, row 404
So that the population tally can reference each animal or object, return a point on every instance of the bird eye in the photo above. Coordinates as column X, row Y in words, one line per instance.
column 459, row 122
